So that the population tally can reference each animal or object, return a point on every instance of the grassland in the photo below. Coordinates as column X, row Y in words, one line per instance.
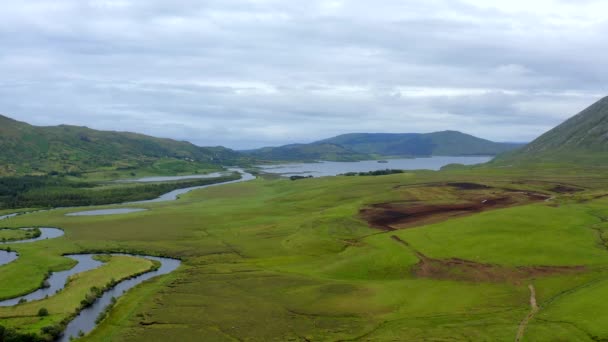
column 18, row 234
column 26, row 317
column 275, row 260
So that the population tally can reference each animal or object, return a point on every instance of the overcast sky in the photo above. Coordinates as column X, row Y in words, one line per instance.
column 267, row 72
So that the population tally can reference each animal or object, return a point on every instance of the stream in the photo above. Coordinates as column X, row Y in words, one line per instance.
column 84, row 322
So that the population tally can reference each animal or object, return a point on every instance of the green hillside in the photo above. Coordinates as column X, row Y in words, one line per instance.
column 27, row 149
column 361, row 146
column 581, row 139
column 450, row 143
column 307, row 152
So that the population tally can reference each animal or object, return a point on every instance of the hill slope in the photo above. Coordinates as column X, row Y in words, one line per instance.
column 582, row 139
column 307, row 152
column 27, row 149
column 361, row 146
column 447, row 143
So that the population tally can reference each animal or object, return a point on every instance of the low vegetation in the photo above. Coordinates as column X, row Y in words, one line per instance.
column 303, row 255
column 44, row 318
column 488, row 253
column 374, row 173
column 8, row 235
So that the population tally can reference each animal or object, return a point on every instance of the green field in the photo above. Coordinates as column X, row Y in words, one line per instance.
column 63, row 305
column 288, row 260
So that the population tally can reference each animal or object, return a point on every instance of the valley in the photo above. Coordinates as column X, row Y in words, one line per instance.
column 474, row 252
column 332, row 275
column 303, row 171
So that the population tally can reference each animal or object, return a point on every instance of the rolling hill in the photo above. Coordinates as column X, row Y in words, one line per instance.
column 360, row 146
column 307, row 152
column 581, row 139
column 447, row 143
column 27, row 149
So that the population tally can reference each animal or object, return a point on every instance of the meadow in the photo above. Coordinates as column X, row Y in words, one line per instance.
column 280, row 260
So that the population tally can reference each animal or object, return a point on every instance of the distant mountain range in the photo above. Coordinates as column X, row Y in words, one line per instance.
column 582, row 139
column 362, row 146
column 27, row 149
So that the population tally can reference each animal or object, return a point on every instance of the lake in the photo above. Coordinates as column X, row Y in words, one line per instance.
column 327, row 168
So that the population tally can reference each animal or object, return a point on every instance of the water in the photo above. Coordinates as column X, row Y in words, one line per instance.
column 173, row 195
column 85, row 321
column 170, row 178
column 326, row 168
column 7, row 257
column 116, row 211
column 45, row 233
column 57, row 280
column 4, row 217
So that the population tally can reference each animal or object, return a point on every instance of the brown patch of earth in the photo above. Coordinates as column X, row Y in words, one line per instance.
column 458, row 269
column 401, row 215
column 468, row 186
column 564, row 189
column 465, row 270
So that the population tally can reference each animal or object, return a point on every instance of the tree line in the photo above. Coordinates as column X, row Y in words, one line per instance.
column 49, row 191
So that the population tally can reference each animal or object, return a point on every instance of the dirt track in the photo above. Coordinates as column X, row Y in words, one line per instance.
column 533, row 310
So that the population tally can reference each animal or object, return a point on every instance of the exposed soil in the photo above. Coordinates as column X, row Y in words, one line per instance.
column 465, row 270
column 401, row 215
column 458, row 269
column 533, row 310
column 469, row 186
column 564, row 189
column 473, row 198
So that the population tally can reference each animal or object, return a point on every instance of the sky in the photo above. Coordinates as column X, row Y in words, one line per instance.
column 254, row 73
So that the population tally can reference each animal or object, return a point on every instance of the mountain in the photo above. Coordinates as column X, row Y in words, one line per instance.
column 446, row 143
column 581, row 139
column 361, row 146
column 27, row 149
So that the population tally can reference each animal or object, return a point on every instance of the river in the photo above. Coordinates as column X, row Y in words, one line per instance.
column 85, row 321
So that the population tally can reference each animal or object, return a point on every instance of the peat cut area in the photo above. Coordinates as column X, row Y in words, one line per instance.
column 466, row 270
column 565, row 189
column 469, row 186
column 401, row 215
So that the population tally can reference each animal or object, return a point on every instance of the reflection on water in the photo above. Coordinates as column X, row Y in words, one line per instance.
column 326, row 168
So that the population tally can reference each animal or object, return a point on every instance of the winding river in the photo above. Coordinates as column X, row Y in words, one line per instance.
column 84, row 322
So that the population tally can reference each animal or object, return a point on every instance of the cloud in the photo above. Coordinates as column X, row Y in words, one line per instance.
column 264, row 72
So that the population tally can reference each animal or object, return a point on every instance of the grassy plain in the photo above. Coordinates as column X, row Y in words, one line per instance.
column 280, row 260
column 15, row 234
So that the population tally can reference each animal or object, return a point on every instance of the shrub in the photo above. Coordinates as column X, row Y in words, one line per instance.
column 43, row 312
